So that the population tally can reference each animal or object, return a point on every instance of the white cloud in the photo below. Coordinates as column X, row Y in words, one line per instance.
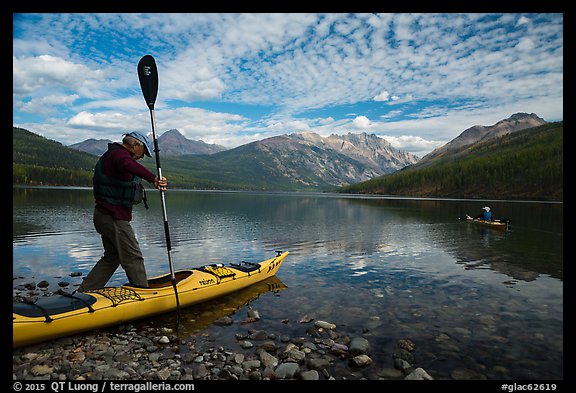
column 383, row 96
column 129, row 104
column 391, row 114
column 396, row 100
column 523, row 21
column 326, row 121
column 361, row 122
column 195, row 123
column 413, row 144
column 45, row 72
column 47, row 105
column 288, row 126
column 188, row 81
column 525, row 44
column 101, row 120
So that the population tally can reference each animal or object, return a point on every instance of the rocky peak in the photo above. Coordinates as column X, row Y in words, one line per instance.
column 368, row 149
column 516, row 122
column 173, row 143
column 475, row 134
column 93, row 146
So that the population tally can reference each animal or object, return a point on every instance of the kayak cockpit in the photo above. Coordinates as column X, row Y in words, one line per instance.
column 166, row 279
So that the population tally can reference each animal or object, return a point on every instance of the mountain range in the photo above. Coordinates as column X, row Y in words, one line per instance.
column 518, row 156
column 303, row 160
column 311, row 160
column 171, row 143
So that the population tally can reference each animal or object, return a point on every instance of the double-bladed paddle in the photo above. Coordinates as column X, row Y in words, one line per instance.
column 148, row 76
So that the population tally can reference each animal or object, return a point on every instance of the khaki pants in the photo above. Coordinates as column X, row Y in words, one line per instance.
column 120, row 249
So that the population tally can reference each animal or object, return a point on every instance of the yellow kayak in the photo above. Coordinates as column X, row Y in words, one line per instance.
column 60, row 315
column 496, row 224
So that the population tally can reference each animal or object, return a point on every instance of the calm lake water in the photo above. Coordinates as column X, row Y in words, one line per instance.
column 383, row 268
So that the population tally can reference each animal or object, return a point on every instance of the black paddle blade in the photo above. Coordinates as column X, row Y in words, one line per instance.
column 148, row 76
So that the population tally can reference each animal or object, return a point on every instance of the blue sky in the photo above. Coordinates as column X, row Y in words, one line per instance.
column 416, row 80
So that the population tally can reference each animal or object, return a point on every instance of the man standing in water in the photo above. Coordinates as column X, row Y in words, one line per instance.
column 117, row 187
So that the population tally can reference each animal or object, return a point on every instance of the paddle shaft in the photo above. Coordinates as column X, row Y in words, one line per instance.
column 148, row 76
column 162, row 196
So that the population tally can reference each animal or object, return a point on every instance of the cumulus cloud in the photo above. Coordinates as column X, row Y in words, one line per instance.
column 326, row 121
column 383, row 96
column 198, row 82
column 525, row 44
column 39, row 73
column 361, row 122
column 196, row 123
column 413, row 144
column 193, row 123
column 109, row 121
column 523, row 20
column 47, row 105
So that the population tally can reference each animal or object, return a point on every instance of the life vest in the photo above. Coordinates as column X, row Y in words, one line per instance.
column 487, row 216
column 116, row 192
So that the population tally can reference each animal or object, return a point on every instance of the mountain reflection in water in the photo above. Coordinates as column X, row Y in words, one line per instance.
column 384, row 268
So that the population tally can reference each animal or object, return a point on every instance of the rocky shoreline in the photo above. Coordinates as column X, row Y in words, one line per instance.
column 157, row 353
column 142, row 351
column 225, row 348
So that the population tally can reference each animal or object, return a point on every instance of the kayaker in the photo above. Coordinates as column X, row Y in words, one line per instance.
column 485, row 215
column 117, row 187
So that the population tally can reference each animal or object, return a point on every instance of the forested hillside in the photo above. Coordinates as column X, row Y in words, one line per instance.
column 525, row 165
column 282, row 163
column 40, row 161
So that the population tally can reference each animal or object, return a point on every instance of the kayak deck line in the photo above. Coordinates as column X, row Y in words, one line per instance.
column 117, row 294
column 63, row 314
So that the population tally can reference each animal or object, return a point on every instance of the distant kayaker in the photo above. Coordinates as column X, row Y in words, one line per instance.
column 485, row 215
column 117, row 187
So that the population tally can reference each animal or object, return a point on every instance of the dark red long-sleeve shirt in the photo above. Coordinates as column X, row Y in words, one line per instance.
column 120, row 165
